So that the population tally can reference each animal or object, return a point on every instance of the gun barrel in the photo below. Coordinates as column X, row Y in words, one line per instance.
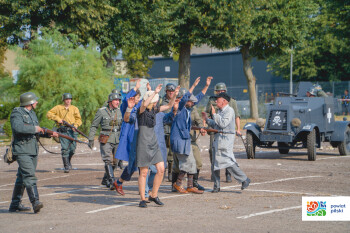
column 73, row 127
column 63, row 136
column 211, row 130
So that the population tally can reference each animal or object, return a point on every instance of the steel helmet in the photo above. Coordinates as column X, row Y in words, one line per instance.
column 27, row 98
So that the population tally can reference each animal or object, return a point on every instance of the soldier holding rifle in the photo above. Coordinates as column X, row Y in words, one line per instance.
column 223, row 157
column 26, row 130
column 110, row 119
column 69, row 113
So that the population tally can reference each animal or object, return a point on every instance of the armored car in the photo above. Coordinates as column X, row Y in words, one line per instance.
column 297, row 122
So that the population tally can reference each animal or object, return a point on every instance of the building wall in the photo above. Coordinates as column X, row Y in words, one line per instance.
column 225, row 67
column 10, row 63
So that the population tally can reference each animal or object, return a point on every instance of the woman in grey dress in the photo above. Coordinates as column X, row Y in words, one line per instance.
column 148, row 152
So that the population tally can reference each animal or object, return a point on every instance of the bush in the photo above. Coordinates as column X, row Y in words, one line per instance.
column 7, row 127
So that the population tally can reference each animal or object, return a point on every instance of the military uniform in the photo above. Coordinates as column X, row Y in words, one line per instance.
column 72, row 116
column 25, row 149
column 110, row 121
column 167, row 129
column 232, row 104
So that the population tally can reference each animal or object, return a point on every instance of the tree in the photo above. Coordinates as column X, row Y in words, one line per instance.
column 324, row 55
column 138, row 64
column 88, row 19
column 166, row 27
column 270, row 27
column 53, row 65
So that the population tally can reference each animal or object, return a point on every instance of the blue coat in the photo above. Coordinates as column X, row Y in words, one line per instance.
column 128, row 132
column 180, row 138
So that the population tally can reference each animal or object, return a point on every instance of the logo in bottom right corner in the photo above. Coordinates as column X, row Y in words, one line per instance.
column 316, row 208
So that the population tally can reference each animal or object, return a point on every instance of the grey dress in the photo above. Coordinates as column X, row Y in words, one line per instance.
column 147, row 152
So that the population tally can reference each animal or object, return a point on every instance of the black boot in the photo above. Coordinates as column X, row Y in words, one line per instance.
column 195, row 182
column 170, row 174
column 173, row 181
column 228, row 176
column 34, row 198
column 17, row 195
column 120, row 164
column 110, row 175
column 69, row 162
column 66, row 164
column 105, row 181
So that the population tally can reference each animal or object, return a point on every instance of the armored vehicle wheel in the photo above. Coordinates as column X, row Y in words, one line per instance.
column 344, row 146
column 283, row 151
column 311, row 145
column 250, row 145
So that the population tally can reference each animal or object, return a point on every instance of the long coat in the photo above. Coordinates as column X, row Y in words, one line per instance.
column 180, row 138
column 128, row 131
column 223, row 143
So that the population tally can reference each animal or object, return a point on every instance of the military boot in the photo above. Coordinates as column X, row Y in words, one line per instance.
column 105, row 181
column 34, row 198
column 65, row 164
column 170, row 165
column 195, row 182
column 173, row 181
column 17, row 195
column 69, row 162
column 228, row 176
column 110, row 175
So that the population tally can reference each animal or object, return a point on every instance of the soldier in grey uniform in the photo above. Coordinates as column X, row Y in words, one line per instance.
column 221, row 87
column 316, row 91
column 169, row 90
column 26, row 129
column 110, row 119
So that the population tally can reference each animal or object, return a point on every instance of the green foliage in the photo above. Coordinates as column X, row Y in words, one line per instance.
column 53, row 66
column 138, row 64
column 324, row 55
column 6, row 109
column 7, row 127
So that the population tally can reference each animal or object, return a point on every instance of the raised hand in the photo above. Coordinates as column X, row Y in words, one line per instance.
column 131, row 102
column 197, row 81
column 209, row 78
column 149, row 88
column 158, row 88
column 213, row 110
column 138, row 84
column 176, row 105
column 177, row 90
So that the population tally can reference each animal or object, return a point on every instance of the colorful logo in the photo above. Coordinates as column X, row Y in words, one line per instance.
column 316, row 208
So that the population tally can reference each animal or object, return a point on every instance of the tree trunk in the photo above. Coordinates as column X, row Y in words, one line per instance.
column 184, row 65
column 248, row 72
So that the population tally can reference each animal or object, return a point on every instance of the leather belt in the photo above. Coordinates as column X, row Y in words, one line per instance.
column 113, row 130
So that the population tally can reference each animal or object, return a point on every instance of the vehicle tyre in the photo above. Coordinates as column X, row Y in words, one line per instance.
column 282, row 151
column 250, row 145
column 344, row 146
column 311, row 145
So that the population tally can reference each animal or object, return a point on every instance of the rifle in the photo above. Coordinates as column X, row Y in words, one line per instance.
column 211, row 130
column 48, row 131
column 73, row 127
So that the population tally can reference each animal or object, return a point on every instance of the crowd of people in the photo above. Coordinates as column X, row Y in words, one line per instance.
column 151, row 133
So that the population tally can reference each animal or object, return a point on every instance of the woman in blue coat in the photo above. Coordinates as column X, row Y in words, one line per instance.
column 128, row 136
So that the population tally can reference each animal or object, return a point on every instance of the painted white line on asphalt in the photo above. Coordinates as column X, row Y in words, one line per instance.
column 274, row 181
column 209, row 190
column 269, row 212
column 57, row 177
column 336, row 157
column 285, row 192
column 130, row 203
